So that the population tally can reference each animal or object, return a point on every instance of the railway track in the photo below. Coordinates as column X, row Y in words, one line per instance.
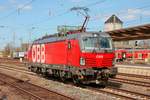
column 133, row 82
column 121, row 93
column 116, row 92
column 133, row 75
column 130, row 94
column 15, row 66
column 109, row 92
column 33, row 91
column 8, row 60
column 17, row 69
column 121, row 80
column 11, row 61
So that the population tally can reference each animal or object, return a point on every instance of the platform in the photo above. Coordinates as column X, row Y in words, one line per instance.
column 134, row 69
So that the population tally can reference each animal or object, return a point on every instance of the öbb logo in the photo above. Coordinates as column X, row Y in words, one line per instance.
column 99, row 56
column 38, row 53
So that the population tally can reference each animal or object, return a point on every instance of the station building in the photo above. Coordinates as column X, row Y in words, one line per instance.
column 114, row 23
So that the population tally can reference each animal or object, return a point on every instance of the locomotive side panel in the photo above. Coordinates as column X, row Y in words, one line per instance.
column 48, row 53
column 56, row 53
column 29, row 53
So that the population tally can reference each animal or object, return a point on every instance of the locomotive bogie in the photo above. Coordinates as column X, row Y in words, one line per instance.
column 85, row 76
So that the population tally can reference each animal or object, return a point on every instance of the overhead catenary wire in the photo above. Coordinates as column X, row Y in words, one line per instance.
column 95, row 3
column 122, row 12
column 16, row 10
column 63, row 13
column 47, row 19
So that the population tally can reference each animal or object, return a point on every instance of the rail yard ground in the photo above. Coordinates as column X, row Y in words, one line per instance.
column 124, row 86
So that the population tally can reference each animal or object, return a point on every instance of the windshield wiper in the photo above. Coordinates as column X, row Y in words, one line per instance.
column 95, row 47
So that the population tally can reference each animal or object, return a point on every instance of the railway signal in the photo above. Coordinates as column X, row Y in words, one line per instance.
column 136, row 43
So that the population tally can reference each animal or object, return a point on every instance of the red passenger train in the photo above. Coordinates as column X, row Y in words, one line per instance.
column 139, row 54
column 85, row 57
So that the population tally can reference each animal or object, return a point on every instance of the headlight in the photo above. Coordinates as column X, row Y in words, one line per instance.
column 82, row 61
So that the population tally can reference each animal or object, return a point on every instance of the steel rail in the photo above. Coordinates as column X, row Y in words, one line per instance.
column 134, row 75
column 132, row 82
column 28, row 84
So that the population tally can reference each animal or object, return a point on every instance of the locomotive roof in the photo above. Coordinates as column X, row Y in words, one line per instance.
column 59, row 37
column 103, row 34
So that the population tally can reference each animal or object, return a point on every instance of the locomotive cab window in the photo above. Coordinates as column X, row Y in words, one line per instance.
column 90, row 43
column 105, row 42
column 96, row 43
column 140, row 55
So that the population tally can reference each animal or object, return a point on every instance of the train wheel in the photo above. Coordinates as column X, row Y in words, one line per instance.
column 62, row 76
column 32, row 69
column 44, row 72
column 76, row 80
column 29, row 68
column 104, row 83
column 37, row 70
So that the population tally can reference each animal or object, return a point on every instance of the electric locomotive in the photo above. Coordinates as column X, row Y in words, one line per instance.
column 84, row 57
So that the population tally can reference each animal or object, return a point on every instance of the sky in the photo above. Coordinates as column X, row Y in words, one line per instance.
column 25, row 20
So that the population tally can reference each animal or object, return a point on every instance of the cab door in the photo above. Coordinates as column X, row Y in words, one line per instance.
column 73, row 52
column 69, row 47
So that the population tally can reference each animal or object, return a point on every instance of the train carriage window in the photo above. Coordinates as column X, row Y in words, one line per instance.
column 140, row 55
column 124, row 55
column 148, row 55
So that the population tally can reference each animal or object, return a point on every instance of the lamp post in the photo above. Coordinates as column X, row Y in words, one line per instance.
column 21, row 42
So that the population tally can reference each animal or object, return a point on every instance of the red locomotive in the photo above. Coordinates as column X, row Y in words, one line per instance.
column 83, row 56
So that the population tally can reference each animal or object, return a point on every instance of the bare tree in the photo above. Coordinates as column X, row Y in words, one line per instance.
column 8, row 50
